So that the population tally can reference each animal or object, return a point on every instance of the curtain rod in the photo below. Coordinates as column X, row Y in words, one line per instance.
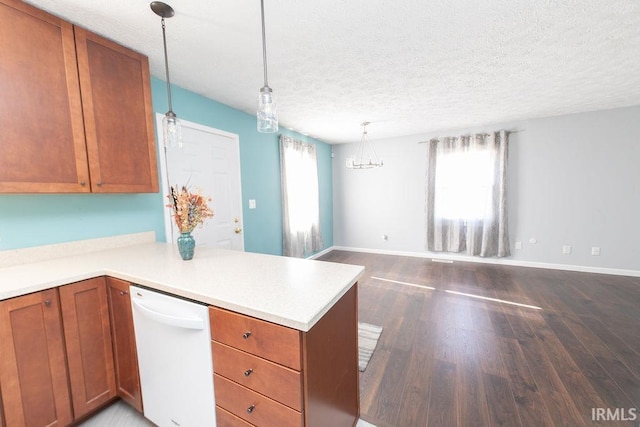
column 473, row 133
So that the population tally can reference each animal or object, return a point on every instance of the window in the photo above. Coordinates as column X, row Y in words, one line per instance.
column 466, row 204
column 300, row 198
column 464, row 182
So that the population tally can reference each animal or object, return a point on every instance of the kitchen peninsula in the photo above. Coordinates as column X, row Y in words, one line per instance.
column 316, row 301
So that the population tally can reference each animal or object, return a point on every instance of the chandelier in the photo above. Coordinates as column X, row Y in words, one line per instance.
column 365, row 157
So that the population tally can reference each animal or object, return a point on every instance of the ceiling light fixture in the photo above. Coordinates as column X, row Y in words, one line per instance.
column 171, row 127
column 365, row 151
column 267, row 109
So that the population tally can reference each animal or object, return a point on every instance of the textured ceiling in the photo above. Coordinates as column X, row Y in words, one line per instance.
column 409, row 66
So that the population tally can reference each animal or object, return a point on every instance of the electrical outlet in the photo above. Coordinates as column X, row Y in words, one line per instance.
column 518, row 245
column 252, row 204
column 595, row 251
column 566, row 249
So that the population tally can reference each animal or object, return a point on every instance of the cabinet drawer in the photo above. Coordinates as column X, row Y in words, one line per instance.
column 267, row 340
column 253, row 407
column 227, row 419
column 275, row 381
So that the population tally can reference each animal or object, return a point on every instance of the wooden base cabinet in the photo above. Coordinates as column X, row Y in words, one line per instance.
column 33, row 369
column 124, row 343
column 266, row 374
column 56, row 364
column 87, row 331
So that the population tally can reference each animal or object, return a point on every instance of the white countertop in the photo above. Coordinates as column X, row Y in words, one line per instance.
column 288, row 291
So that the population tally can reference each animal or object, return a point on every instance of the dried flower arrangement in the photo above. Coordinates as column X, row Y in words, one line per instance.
column 189, row 209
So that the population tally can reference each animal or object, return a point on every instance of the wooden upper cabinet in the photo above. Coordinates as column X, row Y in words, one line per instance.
column 87, row 332
column 42, row 143
column 124, row 343
column 33, row 371
column 75, row 110
column 116, row 101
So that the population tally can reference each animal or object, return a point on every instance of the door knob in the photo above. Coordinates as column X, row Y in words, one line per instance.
column 238, row 230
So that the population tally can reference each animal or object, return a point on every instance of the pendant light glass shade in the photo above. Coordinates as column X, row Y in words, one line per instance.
column 267, row 109
column 365, row 157
column 171, row 128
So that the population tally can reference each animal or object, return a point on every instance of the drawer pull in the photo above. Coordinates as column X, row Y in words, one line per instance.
column 123, row 293
column 246, row 335
column 248, row 372
column 250, row 409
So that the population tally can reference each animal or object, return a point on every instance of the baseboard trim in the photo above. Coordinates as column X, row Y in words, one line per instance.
column 322, row 252
column 446, row 257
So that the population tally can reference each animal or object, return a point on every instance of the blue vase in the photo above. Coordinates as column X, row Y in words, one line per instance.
column 186, row 244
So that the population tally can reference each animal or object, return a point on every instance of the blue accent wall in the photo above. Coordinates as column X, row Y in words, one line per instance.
column 39, row 219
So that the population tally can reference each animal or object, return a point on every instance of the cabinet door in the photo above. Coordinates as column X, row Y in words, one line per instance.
column 124, row 343
column 42, row 145
column 33, row 372
column 116, row 101
column 1, row 411
column 87, row 331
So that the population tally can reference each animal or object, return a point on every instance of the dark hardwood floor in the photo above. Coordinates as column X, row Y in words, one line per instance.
column 451, row 360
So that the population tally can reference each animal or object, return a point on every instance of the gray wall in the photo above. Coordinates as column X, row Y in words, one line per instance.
column 573, row 180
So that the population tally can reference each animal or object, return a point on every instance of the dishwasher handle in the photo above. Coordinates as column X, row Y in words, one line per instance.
column 167, row 319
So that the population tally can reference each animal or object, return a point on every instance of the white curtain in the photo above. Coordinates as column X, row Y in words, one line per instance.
column 300, row 198
column 466, row 204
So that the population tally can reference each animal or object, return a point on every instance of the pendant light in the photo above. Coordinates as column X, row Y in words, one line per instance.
column 267, row 110
column 171, row 127
column 366, row 157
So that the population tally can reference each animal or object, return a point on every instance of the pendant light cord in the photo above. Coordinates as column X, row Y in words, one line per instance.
column 264, row 44
column 166, row 65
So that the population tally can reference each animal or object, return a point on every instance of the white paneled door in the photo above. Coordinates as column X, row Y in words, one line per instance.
column 209, row 160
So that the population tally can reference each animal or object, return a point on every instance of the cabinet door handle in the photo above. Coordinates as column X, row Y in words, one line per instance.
column 248, row 372
column 124, row 293
column 99, row 184
column 246, row 335
column 250, row 409
column 82, row 183
column 47, row 302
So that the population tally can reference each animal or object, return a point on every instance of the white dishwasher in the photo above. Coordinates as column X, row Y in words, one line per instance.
column 174, row 354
